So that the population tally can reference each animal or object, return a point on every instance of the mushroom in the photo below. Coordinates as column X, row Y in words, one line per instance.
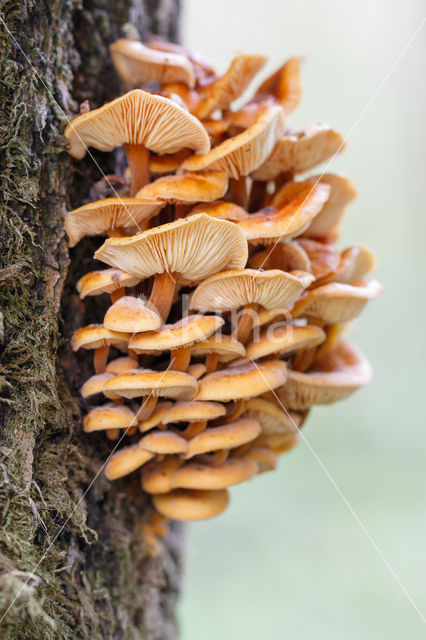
column 98, row 337
column 242, row 154
column 139, row 121
column 177, row 338
column 112, row 281
column 218, row 348
column 224, row 437
column 244, row 381
column 284, row 339
column 336, row 302
column 127, row 460
column 120, row 365
column 300, row 203
column 187, row 189
column 223, row 210
column 195, row 413
column 271, row 418
column 167, row 164
column 109, row 416
column 156, row 418
column 185, row 505
column 132, row 315
column 137, row 64
column 284, row 86
column 340, row 372
column 111, row 217
column 356, row 262
column 187, row 250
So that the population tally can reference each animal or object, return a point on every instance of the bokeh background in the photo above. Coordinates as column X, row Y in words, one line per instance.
column 292, row 557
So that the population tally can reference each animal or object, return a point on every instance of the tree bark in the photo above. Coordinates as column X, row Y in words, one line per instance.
column 73, row 561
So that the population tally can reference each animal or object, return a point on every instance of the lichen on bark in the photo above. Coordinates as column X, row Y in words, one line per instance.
column 73, row 562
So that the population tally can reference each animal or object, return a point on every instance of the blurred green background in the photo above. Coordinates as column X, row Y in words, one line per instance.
column 289, row 558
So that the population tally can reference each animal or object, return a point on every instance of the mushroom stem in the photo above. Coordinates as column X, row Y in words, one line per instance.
column 180, row 359
column 117, row 294
column 303, row 359
column 147, row 408
column 245, row 323
column 162, row 293
column 100, row 359
column 112, row 434
column 257, row 196
column 181, row 210
column 239, row 192
column 213, row 459
column 211, row 362
column 193, row 429
column 238, row 409
column 137, row 157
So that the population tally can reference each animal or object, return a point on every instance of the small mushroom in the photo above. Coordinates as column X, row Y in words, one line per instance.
column 156, row 418
column 223, row 210
column 218, row 348
column 109, row 416
column 132, row 315
column 328, row 222
column 98, row 337
column 224, row 437
column 195, row 413
column 127, row 460
column 186, row 505
column 285, row 339
column 112, row 281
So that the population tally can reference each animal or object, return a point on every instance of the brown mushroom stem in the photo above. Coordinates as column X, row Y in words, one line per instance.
column 181, row 210
column 245, row 323
column 180, row 359
column 282, row 178
column 117, row 294
column 137, row 157
column 239, row 193
column 211, row 362
column 303, row 359
column 162, row 293
column 117, row 232
column 257, row 195
column 213, row 459
column 100, row 359
column 193, row 429
column 236, row 412
column 147, row 408
column 112, row 434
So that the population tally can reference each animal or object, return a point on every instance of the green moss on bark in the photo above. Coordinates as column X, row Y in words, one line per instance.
column 73, row 562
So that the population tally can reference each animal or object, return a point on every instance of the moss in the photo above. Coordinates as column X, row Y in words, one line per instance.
column 72, row 564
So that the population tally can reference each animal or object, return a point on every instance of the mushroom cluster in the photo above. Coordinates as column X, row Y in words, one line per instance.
column 229, row 298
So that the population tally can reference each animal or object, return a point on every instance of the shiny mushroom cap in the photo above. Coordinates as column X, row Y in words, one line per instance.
column 186, row 505
column 193, row 411
column 233, row 289
column 183, row 333
column 336, row 302
column 143, row 382
column 187, row 188
column 131, row 314
column 138, row 118
column 224, row 437
column 101, row 216
column 221, row 92
column 284, row 339
column 244, row 381
column 109, row 416
column 242, row 154
column 223, row 210
column 340, row 372
column 300, row 203
column 301, row 151
column 95, row 283
column 227, row 347
column 94, row 336
column 193, row 247
column 327, row 223
column 137, row 64
column 120, row 365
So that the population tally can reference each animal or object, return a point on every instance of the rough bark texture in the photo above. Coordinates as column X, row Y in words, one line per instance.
column 73, row 562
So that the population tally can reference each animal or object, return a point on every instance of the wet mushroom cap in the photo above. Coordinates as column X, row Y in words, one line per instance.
column 302, row 203
column 225, row 437
column 340, row 372
column 94, row 336
column 187, row 188
column 137, row 64
column 244, row 381
column 227, row 347
column 194, row 475
column 143, row 382
column 193, row 247
column 106, row 281
column 138, row 118
column 242, row 154
column 187, row 505
column 131, row 314
column 284, row 339
column 99, row 217
column 336, row 302
column 109, row 416
column 192, row 411
column 273, row 289
column 126, row 460
column 185, row 332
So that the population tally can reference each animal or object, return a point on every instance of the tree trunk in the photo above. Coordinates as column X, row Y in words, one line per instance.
column 73, row 561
